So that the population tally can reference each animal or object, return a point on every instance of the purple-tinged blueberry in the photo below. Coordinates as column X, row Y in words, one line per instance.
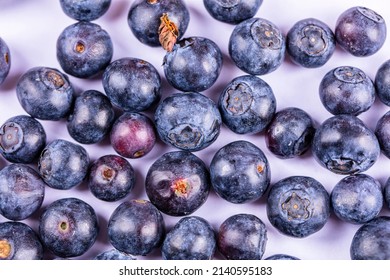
column 382, row 83
column 85, row 10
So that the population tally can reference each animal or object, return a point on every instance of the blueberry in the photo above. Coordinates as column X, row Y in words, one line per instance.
column 114, row 254
column 5, row 60
column 372, row 240
column 257, row 46
column 188, row 121
column 240, row 172
column 22, row 138
column 345, row 145
column 247, row 104
column 85, row 10
column 283, row 257
column 133, row 135
column 194, row 64
column 63, row 164
column 192, row 238
column 382, row 132
column 242, row 237
column 178, row 183
column 357, row 199
column 91, row 118
column 386, row 193
column 360, row 31
column 84, row 49
column 298, row 206
column 347, row 90
column 111, row 178
column 136, row 227
column 22, row 191
column 232, row 11
column 45, row 93
column 68, row 227
column 382, row 82
column 310, row 43
column 290, row 133
column 132, row 84
column 19, row 241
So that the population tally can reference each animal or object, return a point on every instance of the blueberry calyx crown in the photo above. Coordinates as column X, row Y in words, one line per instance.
column 312, row 41
column 10, row 137
column 181, row 187
column 296, row 207
column 350, row 75
column 370, row 14
column 266, row 35
column 238, row 99
column 5, row 249
column 228, row 4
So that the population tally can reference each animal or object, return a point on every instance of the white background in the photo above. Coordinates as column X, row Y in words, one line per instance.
column 31, row 28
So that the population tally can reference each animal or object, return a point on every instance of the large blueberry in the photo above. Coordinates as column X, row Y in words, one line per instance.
column 178, row 183
column 247, row 104
column 240, row 172
column 298, row 206
column 5, row 60
column 85, row 10
column 188, row 121
column 345, row 145
column 257, row 46
column 382, row 82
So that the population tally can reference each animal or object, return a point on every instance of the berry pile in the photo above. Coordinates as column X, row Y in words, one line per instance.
column 175, row 129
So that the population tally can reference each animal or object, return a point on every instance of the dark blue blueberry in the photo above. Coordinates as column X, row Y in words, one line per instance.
column 63, row 164
column 144, row 18
column 298, row 206
column 290, row 133
column 357, row 199
column 19, row 241
column 21, row 191
column 232, row 11
column 310, row 43
column 240, row 172
column 91, row 119
column 68, row 227
column 382, row 132
column 188, row 121
column 86, row 9
column 372, row 240
column 84, row 49
column 194, row 64
column 178, row 183
column 347, row 90
column 132, row 84
column 247, row 105
column 5, row 60
column 45, row 93
column 114, row 254
column 257, row 46
column 282, row 257
column 192, row 238
column 111, row 178
column 360, row 31
column 136, row 227
column 242, row 237
column 345, row 145
column 382, row 82
column 22, row 138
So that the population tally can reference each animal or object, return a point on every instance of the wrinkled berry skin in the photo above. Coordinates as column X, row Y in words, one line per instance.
column 114, row 254
column 344, row 145
column 133, row 135
column 257, row 46
column 5, row 60
column 19, row 241
column 84, row 49
column 198, row 240
column 382, row 132
column 136, row 227
column 68, row 227
column 85, row 10
column 290, row 133
column 21, row 191
column 357, row 199
column 247, row 105
column 310, row 43
column 63, row 164
column 188, row 121
column 178, row 183
column 281, row 257
column 372, row 240
column 240, row 172
column 111, row 178
column 355, row 28
column 298, row 206
column 347, row 90
column 382, row 83
column 132, row 84
column 22, row 138
column 233, row 11
column 45, row 93
column 91, row 118
column 144, row 18
column 242, row 237
column 203, row 64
